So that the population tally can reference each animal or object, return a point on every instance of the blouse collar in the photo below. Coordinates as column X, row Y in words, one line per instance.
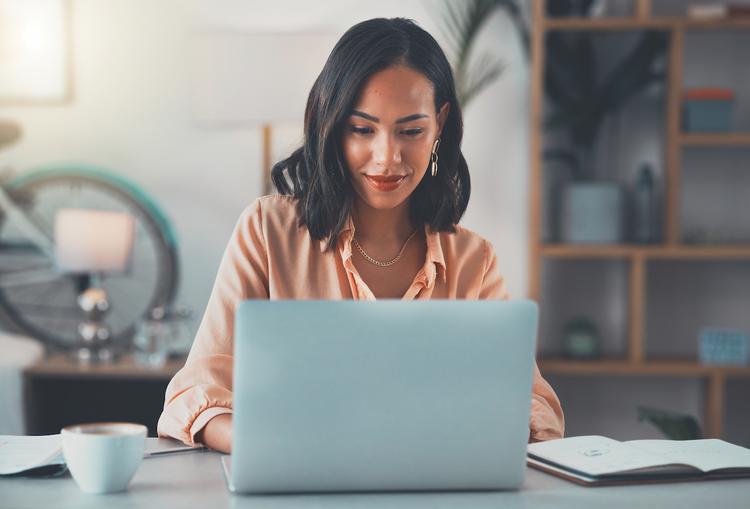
column 434, row 262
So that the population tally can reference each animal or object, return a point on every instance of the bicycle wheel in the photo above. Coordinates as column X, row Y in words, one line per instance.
column 41, row 302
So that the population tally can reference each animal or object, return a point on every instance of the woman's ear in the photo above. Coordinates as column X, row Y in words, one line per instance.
column 442, row 116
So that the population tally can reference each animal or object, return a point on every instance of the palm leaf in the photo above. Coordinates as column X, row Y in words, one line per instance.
column 485, row 73
column 580, row 103
column 570, row 71
column 631, row 76
column 462, row 22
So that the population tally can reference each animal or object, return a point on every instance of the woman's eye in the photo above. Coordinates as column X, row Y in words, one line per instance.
column 411, row 132
column 360, row 130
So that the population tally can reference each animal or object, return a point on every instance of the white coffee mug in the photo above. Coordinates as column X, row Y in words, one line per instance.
column 103, row 457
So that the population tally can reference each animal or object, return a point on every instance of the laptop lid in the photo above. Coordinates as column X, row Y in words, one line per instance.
column 381, row 395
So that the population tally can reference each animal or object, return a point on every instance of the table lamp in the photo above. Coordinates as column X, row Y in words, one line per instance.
column 91, row 243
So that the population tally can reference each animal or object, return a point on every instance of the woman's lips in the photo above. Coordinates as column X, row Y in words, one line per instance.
column 385, row 182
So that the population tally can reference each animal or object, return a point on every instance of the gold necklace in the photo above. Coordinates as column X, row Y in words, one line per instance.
column 378, row 262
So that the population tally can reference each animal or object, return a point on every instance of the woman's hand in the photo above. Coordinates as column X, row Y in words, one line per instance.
column 217, row 433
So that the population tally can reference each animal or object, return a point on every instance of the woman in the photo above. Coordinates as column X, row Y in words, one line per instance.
column 368, row 209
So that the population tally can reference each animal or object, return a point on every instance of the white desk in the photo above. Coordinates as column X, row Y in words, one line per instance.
column 195, row 480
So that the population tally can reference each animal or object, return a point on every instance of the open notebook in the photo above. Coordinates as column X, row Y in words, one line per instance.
column 597, row 460
column 30, row 455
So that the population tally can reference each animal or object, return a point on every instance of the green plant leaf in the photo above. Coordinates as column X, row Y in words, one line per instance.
column 482, row 77
column 631, row 76
column 561, row 83
column 462, row 22
column 580, row 103
column 636, row 71
column 515, row 15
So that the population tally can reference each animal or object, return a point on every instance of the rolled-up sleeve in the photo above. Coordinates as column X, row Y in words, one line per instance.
column 202, row 389
column 547, row 420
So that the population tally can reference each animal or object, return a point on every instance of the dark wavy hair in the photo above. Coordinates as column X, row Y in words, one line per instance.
column 316, row 173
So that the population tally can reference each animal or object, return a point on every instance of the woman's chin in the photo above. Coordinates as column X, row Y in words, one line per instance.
column 384, row 203
column 380, row 200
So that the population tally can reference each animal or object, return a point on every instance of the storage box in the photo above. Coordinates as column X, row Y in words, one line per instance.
column 723, row 346
column 708, row 110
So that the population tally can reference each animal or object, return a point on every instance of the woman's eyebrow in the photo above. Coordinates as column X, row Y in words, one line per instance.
column 403, row 120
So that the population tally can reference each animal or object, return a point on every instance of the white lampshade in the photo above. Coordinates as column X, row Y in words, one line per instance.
column 88, row 240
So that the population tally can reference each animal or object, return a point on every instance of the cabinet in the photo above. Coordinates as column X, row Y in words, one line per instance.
column 60, row 392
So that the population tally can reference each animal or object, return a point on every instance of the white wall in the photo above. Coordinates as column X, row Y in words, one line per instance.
column 131, row 114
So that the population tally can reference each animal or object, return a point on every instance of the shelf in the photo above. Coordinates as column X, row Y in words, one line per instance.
column 632, row 251
column 597, row 24
column 719, row 24
column 633, row 23
column 715, row 139
column 622, row 367
column 587, row 251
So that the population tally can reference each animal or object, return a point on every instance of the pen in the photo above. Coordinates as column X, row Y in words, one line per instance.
column 175, row 450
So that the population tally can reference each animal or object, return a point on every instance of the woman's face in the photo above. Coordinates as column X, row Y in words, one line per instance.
column 388, row 137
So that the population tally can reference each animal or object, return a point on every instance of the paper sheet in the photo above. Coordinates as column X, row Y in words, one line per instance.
column 595, row 455
column 707, row 454
column 19, row 453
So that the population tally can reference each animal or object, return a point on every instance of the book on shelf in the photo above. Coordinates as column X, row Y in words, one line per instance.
column 711, row 11
column 601, row 461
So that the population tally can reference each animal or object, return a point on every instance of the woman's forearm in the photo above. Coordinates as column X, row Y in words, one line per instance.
column 217, row 433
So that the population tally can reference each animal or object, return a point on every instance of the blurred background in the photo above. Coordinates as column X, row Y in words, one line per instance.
column 607, row 143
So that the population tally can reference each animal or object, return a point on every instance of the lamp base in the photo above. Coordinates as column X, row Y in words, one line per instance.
column 89, row 355
column 96, row 342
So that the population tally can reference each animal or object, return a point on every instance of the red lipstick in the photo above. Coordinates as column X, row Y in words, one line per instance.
column 385, row 182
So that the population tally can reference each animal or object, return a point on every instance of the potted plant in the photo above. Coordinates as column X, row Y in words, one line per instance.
column 580, row 99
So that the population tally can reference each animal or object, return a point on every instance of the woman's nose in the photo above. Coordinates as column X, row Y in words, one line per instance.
column 386, row 152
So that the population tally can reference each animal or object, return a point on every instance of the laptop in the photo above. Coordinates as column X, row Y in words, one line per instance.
column 340, row 396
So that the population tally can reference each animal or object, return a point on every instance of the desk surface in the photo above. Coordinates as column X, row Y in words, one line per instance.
column 195, row 480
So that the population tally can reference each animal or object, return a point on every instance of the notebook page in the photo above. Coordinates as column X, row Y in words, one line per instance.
column 595, row 455
column 707, row 454
column 19, row 453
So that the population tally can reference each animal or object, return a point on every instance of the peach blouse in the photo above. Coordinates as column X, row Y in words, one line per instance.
column 270, row 257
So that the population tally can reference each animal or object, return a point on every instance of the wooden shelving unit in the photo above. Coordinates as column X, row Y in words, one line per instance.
column 635, row 363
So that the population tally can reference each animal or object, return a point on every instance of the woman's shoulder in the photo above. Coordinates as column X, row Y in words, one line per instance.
column 274, row 218
column 278, row 204
column 273, row 210
column 471, row 262
column 464, row 240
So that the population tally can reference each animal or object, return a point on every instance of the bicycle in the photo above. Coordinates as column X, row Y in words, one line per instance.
column 39, row 301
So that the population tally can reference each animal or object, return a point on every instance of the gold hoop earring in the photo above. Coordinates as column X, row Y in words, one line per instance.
column 434, row 157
